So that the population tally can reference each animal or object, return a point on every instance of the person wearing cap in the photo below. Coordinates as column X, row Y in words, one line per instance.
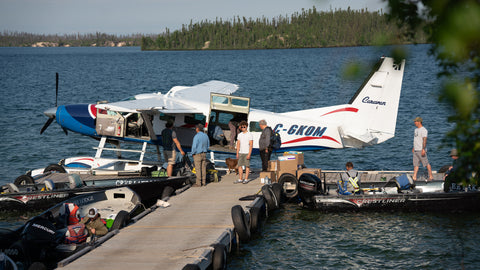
column 450, row 176
column 169, row 141
column 94, row 223
column 200, row 146
column 419, row 149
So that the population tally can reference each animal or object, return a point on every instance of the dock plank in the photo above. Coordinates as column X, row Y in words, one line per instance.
column 170, row 238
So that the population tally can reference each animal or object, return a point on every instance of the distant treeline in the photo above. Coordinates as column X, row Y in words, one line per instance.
column 22, row 39
column 308, row 29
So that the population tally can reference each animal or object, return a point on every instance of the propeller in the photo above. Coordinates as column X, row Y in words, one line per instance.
column 52, row 111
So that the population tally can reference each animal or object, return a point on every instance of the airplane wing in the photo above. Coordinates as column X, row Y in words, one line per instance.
column 201, row 92
column 180, row 99
column 146, row 102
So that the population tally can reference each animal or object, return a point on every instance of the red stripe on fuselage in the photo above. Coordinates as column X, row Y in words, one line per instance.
column 349, row 109
column 311, row 138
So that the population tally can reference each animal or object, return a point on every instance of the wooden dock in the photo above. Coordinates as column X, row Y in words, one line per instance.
column 180, row 234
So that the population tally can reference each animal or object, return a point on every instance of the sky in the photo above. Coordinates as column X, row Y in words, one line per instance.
column 148, row 16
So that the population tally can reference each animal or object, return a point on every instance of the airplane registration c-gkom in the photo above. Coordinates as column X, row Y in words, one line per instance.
column 369, row 118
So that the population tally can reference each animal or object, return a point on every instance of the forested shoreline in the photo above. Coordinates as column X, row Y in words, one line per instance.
column 306, row 29
column 22, row 39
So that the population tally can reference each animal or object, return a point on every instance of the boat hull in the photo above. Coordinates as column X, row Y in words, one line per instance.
column 452, row 201
column 148, row 188
column 394, row 195
column 42, row 239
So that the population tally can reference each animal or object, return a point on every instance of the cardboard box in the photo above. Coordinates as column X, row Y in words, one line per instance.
column 286, row 157
column 273, row 165
column 271, row 175
column 298, row 156
column 313, row 171
column 287, row 165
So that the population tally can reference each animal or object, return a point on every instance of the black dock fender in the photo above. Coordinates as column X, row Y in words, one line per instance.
column 289, row 178
column 240, row 223
column 255, row 218
column 219, row 257
column 270, row 198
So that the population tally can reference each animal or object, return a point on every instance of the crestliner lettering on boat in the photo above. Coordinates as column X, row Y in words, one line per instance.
column 26, row 198
column 375, row 102
column 361, row 202
column 302, row 130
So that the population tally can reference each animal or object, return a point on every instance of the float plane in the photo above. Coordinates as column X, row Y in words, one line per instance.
column 368, row 119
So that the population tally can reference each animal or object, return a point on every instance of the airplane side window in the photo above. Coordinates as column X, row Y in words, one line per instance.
column 166, row 118
column 240, row 102
column 219, row 100
column 195, row 119
column 254, row 127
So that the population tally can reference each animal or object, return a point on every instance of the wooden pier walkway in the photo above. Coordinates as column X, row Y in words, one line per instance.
column 172, row 237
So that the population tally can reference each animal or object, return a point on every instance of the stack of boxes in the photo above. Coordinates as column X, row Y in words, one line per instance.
column 290, row 162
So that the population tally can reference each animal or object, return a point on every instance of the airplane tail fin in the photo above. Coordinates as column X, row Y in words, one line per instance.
column 371, row 115
column 377, row 102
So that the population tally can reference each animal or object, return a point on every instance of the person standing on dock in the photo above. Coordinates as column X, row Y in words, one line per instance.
column 264, row 144
column 169, row 141
column 232, row 125
column 200, row 146
column 244, row 152
column 419, row 149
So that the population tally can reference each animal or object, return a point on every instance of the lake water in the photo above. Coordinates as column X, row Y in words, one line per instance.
column 276, row 80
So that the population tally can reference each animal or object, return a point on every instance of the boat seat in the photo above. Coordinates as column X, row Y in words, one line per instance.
column 402, row 182
column 75, row 181
column 12, row 188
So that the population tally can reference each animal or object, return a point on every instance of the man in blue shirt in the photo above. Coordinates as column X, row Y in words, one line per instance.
column 200, row 146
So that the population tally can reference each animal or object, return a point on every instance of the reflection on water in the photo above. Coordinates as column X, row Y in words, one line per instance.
column 295, row 238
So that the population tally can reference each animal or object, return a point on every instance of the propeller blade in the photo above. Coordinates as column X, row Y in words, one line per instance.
column 49, row 121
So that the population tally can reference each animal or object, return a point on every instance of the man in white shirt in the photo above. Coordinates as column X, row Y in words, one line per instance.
column 419, row 149
column 244, row 151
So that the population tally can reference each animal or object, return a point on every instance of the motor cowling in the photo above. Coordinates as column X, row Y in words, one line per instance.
column 37, row 239
column 309, row 185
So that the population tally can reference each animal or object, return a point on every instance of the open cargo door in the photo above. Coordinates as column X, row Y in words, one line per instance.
column 226, row 108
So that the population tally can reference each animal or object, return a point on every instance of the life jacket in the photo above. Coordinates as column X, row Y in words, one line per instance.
column 352, row 185
column 71, row 211
column 349, row 186
column 76, row 234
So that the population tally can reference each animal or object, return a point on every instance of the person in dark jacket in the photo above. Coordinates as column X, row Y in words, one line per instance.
column 264, row 144
column 169, row 141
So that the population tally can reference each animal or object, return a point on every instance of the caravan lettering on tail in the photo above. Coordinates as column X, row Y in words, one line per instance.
column 302, row 130
column 369, row 101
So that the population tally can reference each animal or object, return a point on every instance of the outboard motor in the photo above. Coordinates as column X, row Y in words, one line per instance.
column 309, row 185
column 37, row 240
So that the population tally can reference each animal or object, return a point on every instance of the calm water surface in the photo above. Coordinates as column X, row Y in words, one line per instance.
column 276, row 80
